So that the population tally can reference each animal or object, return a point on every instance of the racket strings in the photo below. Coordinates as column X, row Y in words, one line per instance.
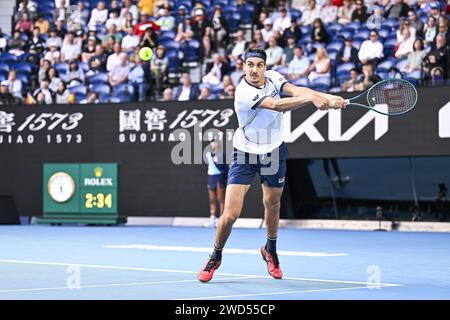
column 399, row 96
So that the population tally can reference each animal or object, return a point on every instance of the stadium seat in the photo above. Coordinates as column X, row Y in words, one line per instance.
column 123, row 96
column 99, row 78
column 345, row 68
column 23, row 77
column 283, row 70
column 321, row 81
column 4, row 67
column 335, row 46
column 332, row 55
column 80, row 89
column 302, row 81
column 122, row 87
column 167, row 35
column 417, row 75
column 385, row 65
column 400, row 64
column 101, row 88
column 62, row 67
column 8, row 58
column 335, row 27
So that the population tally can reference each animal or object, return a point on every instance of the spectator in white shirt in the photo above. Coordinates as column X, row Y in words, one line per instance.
column 240, row 45
column 345, row 12
column 99, row 14
column 299, row 4
column 119, row 73
column 310, row 14
column 130, row 41
column 283, row 21
column 115, row 19
column 53, row 55
column 267, row 31
column 329, row 11
column 114, row 58
column 274, row 54
column 53, row 38
column 406, row 45
column 299, row 65
column 14, row 84
column 237, row 74
column 371, row 51
column 128, row 6
column 70, row 50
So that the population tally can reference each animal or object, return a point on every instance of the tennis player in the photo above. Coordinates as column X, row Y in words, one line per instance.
column 258, row 148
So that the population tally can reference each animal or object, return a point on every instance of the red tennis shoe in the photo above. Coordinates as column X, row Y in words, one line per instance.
column 273, row 265
column 207, row 272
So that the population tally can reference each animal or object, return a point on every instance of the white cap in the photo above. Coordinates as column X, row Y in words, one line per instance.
column 268, row 21
column 199, row 12
column 4, row 83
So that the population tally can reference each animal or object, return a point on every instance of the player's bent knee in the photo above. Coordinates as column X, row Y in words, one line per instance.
column 272, row 205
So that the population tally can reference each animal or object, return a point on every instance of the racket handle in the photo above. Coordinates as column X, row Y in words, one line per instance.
column 347, row 102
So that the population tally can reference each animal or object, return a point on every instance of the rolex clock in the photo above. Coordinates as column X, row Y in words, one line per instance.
column 61, row 187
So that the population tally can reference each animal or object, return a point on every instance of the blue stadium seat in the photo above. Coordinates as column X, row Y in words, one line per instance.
column 400, row 64
column 104, row 98
column 361, row 35
column 384, row 33
column 99, row 78
column 335, row 46
column 167, row 35
column 79, row 97
column 23, row 77
column 283, row 70
column 344, row 68
column 7, row 57
column 4, row 67
column 302, row 82
column 346, row 34
column 170, row 44
column 124, row 96
column 78, row 90
column 122, row 87
column 332, row 55
column 321, row 81
column 353, row 26
column 62, row 67
column 357, row 44
column 101, row 88
column 417, row 75
column 83, row 66
column 385, row 65
column 335, row 27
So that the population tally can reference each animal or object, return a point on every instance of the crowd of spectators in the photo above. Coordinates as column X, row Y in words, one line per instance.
column 90, row 55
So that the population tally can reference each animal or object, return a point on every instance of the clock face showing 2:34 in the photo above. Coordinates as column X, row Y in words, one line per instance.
column 61, row 187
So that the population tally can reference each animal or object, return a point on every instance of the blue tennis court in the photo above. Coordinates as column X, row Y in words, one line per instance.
column 131, row 262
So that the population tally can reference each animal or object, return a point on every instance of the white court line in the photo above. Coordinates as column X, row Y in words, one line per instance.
column 111, row 285
column 182, row 271
column 226, row 250
column 271, row 293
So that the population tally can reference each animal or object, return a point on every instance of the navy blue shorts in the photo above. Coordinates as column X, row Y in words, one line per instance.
column 219, row 180
column 270, row 167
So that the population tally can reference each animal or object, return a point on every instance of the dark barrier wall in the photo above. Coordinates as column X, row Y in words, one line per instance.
column 143, row 137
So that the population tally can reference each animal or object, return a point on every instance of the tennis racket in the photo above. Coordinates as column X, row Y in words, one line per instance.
column 390, row 97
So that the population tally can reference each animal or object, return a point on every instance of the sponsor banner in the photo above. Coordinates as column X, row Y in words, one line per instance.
column 157, row 144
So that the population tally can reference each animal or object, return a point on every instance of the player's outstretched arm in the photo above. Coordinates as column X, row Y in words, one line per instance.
column 335, row 102
column 301, row 97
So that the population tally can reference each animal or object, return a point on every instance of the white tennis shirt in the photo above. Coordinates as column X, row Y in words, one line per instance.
column 260, row 130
